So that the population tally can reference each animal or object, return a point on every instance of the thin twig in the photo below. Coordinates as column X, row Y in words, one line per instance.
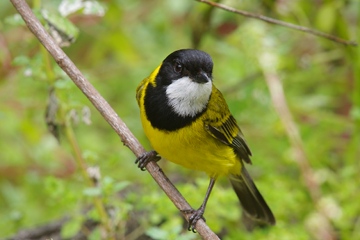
column 52, row 230
column 47, row 230
column 107, row 112
column 280, row 105
column 326, row 231
column 97, row 201
column 281, row 23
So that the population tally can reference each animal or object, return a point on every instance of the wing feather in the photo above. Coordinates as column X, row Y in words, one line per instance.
column 221, row 125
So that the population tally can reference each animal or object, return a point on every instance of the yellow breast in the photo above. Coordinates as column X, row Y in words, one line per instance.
column 192, row 147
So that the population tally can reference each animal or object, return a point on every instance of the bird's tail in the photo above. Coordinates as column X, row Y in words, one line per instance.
column 256, row 213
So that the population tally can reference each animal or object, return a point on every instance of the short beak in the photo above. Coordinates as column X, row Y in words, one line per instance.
column 202, row 77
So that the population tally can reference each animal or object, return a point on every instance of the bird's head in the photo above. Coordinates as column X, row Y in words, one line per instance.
column 187, row 76
column 186, row 63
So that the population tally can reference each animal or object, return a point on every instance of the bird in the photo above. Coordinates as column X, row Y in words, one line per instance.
column 188, row 122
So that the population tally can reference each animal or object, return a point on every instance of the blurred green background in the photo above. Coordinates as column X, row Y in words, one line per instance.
column 118, row 43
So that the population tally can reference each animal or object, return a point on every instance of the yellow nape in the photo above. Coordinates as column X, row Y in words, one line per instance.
column 144, row 83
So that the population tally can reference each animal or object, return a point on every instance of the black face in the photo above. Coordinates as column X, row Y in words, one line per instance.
column 194, row 64
column 191, row 63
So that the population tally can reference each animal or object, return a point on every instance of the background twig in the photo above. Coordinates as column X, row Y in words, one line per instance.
column 281, row 23
column 279, row 102
column 106, row 111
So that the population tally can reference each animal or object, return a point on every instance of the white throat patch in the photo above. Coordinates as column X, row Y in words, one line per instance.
column 187, row 97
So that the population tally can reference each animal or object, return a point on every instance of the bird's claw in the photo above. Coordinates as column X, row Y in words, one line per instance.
column 196, row 216
column 147, row 157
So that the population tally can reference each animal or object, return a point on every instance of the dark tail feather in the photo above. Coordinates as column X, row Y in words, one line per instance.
column 256, row 211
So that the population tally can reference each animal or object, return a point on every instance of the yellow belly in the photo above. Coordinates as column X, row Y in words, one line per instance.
column 192, row 147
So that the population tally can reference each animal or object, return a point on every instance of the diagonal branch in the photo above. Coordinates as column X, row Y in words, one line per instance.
column 281, row 23
column 107, row 112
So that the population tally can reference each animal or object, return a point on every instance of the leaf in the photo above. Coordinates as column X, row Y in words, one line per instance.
column 121, row 185
column 326, row 17
column 110, row 186
column 60, row 28
column 68, row 7
column 95, row 234
column 92, row 192
column 355, row 113
column 71, row 228
column 64, row 84
column 15, row 20
column 21, row 61
column 55, row 187
column 157, row 233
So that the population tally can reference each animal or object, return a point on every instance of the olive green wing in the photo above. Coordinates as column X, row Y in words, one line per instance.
column 221, row 125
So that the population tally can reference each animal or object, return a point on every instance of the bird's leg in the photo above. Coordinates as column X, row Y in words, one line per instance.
column 197, row 214
column 147, row 157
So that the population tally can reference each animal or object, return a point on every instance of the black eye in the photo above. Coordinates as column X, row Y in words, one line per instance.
column 178, row 67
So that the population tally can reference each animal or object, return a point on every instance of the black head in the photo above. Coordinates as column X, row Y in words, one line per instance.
column 182, row 90
column 195, row 64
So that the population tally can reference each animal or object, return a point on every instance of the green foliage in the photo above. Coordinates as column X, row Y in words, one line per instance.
column 118, row 43
column 72, row 227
